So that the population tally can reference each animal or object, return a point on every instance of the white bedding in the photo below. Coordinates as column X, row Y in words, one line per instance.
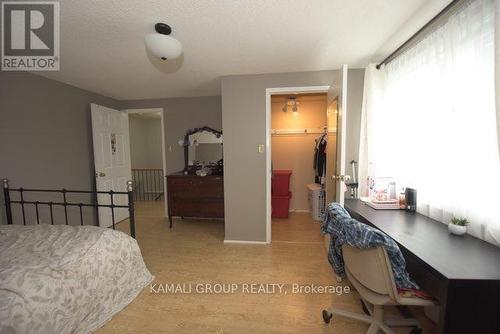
column 66, row 279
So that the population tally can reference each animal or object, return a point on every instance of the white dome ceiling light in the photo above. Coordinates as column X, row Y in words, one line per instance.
column 161, row 44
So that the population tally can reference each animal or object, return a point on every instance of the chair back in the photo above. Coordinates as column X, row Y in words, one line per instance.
column 371, row 268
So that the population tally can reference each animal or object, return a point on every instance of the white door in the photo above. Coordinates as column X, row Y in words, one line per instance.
column 110, row 133
column 331, row 147
column 336, row 177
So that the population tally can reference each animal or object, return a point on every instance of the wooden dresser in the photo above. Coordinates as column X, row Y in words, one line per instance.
column 195, row 196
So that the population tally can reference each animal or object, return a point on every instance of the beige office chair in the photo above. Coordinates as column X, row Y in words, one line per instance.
column 369, row 271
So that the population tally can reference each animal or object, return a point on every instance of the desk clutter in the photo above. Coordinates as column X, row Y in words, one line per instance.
column 383, row 195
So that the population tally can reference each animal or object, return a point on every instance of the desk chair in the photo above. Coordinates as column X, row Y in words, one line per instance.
column 369, row 271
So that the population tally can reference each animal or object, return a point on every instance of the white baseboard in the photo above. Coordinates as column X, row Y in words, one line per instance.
column 294, row 210
column 245, row 242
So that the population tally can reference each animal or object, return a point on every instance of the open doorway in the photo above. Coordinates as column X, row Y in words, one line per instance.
column 302, row 131
column 147, row 155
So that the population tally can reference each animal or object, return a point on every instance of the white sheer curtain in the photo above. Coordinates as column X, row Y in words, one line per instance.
column 430, row 121
column 497, row 64
column 372, row 103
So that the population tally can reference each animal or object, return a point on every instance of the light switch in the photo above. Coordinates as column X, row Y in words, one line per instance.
column 170, row 148
column 260, row 148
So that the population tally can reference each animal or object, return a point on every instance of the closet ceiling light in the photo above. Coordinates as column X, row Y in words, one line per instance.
column 161, row 45
column 292, row 102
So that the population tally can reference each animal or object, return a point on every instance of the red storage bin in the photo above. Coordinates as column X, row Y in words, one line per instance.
column 280, row 206
column 280, row 185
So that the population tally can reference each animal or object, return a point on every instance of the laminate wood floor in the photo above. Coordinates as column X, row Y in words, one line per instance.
column 193, row 253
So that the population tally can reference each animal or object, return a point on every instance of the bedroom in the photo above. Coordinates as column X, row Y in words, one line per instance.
column 65, row 132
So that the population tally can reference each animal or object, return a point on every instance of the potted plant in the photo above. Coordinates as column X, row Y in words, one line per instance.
column 458, row 226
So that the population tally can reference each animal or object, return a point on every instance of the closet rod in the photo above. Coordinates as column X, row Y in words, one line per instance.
column 300, row 131
column 403, row 46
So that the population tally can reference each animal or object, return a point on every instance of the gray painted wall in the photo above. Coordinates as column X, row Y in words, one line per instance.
column 180, row 115
column 145, row 142
column 46, row 136
column 46, row 133
column 244, row 123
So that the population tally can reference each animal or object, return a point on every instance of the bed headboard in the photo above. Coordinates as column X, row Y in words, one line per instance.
column 63, row 202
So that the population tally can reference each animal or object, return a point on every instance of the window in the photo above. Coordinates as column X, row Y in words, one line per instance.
column 429, row 119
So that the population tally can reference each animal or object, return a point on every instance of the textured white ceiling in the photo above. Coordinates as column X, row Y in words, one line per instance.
column 102, row 42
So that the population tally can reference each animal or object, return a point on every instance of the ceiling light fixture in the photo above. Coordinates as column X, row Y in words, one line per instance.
column 161, row 44
column 292, row 102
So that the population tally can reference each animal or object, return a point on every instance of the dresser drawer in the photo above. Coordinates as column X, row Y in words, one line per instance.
column 204, row 208
column 196, row 187
column 209, row 187
column 179, row 183
column 195, row 196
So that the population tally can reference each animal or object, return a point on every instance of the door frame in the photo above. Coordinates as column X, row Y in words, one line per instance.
column 342, row 140
column 163, row 149
column 269, row 93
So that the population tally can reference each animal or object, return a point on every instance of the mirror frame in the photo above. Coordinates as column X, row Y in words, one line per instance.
column 190, row 132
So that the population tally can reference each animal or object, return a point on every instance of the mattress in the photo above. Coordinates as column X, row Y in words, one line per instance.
column 66, row 279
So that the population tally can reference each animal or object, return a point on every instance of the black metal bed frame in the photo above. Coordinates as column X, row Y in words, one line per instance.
column 64, row 203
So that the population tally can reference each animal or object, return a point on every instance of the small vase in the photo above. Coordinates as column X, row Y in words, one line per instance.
column 457, row 229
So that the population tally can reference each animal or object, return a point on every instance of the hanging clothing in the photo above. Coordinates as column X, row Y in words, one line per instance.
column 319, row 163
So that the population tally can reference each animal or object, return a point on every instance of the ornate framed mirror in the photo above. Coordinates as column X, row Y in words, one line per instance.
column 203, row 151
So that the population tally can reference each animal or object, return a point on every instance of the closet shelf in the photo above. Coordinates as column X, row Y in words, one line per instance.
column 307, row 131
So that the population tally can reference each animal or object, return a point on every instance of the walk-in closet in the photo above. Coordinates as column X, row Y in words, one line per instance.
column 300, row 140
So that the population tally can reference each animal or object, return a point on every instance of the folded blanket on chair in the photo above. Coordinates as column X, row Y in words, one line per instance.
column 345, row 230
